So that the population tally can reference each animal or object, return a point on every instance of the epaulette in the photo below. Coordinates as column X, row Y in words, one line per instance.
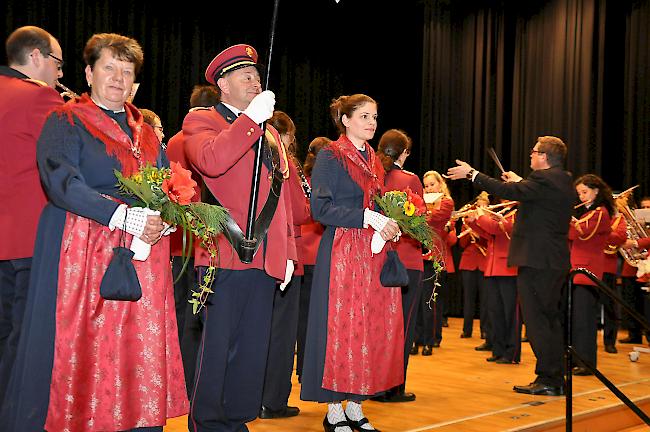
column 35, row 81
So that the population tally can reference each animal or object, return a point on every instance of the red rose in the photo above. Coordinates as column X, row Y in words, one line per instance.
column 180, row 186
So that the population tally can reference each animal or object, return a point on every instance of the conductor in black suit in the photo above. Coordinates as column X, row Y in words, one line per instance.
column 540, row 249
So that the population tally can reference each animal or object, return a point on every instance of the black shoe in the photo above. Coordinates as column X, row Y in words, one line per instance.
column 394, row 396
column 465, row 335
column 492, row 359
column 445, row 322
column 484, row 347
column 356, row 425
column 329, row 427
column 427, row 351
column 525, row 339
column 611, row 349
column 503, row 360
column 483, row 335
column 414, row 350
column 539, row 389
column 288, row 411
column 581, row 371
column 631, row 340
column 436, row 345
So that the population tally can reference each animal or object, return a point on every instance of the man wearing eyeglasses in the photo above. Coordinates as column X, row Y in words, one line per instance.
column 540, row 248
column 26, row 96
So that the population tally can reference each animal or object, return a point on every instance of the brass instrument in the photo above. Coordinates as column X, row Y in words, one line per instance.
column 66, row 91
column 469, row 210
column 635, row 230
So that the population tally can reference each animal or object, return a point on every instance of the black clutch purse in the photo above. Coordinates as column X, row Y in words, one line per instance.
column 120, row 281
column 393, row 273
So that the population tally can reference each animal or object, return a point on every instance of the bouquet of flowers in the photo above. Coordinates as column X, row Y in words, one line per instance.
column 409, row 211
column 169, row 191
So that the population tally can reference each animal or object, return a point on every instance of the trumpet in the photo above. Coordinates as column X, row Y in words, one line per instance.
column 472, row 209
column 66, row 91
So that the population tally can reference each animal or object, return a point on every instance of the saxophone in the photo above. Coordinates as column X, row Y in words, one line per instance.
column 635, row 230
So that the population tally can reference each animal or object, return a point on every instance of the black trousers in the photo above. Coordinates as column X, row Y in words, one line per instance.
column 584, row 327
column 230, row 366
column 540, row 293
column 473, row 286
column 303, row 313
column 14, row 282
column 503, row 310
column 611, row 309
column 634, row 296
column 192, row 331
column 182, row 289
column 282, row 343
column 428, row 327
column 411, row 295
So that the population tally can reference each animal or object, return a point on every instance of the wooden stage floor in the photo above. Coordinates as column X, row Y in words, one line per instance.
column 457, row 390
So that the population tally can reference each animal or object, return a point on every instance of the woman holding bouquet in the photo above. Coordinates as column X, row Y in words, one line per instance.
column 394, row 148
column 354, row 345
column 85, row 363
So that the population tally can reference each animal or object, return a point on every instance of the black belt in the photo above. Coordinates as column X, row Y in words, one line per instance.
column 247, row 248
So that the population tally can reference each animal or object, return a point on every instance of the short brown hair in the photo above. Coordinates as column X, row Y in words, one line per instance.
column 391, row 145
column 23, row 40
column 554, row 149
column 205, row 96
column 122, row 47
column 315, row 146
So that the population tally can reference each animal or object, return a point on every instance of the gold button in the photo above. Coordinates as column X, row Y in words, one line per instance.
column 249, row 133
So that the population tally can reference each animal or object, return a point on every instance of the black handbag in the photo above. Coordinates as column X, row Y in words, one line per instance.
column 120, row 282
column 393, row 273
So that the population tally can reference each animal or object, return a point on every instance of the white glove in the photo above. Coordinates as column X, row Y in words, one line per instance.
column 376, row 220
column 136, row 219
column 168, row 229
column 261, row 107
column 377, row 243
column 140, row 248
column 287, row 275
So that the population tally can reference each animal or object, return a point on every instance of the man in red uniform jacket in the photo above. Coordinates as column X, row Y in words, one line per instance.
column 236, row 320
column 27, row 96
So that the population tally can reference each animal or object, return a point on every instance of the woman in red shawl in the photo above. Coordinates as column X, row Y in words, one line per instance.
column 85, row 363
column 354, row 346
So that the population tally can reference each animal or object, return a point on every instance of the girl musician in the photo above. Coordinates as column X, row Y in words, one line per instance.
column 428, row 329
column 588, row 232
column 471, row 267
column 500, row 280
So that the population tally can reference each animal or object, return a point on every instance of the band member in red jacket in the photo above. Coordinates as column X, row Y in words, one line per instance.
column 611, row 263
column 428, row 329
column 501, row 284
column 394, row 148
column 27, row 96
column 219, row 145
column 471, row 267
column 189, row 324
column 311, row 233
column 588, row 232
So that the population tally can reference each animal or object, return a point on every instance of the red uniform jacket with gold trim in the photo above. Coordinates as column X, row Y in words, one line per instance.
column 409, row 250
column 616, row 238
column 497, row 233
column 222, row 153
column 300, row 211
column 474, row 250
column 24, row 105
column 437, row 219
column 588, row 240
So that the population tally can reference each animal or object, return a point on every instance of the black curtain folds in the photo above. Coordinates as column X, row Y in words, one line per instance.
column 499, row 74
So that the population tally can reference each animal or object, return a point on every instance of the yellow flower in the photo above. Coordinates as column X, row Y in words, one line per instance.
column 137, row 177
column 409, row 208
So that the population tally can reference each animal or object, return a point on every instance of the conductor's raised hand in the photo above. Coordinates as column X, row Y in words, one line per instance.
column 510, row 177
column 460, row 171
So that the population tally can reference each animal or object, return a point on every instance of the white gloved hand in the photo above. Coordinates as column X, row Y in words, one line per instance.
column 377, row 243
column 287, row 275
column 168, row 229
column 130, row 219
column 376, row 220
column 261, row 107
